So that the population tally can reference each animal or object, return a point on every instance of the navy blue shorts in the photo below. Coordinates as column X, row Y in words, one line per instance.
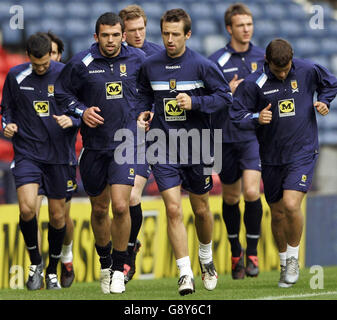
column 143, row 170
column 293, row 176
column 190, row 177
column 51, row 177
column 99, row 168
column 71, row 184
column 237, row 157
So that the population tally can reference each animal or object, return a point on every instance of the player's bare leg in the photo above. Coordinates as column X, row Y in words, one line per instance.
column 177, row 235
column 204, row 226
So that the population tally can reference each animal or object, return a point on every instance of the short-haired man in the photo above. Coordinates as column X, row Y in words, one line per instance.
column 99, row 85
column 185, row 88
column 277, row 102
column 67, row 269
column 41, row 150
column 135, row 20
column 240, row 159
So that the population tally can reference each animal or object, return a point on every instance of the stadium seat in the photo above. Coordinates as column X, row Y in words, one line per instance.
column 4, row 9
column 201, row 10
column 206, row 27
column 98, row 8
column 213, row 42
column 77, row 27
column 333, row 63
column 153, row 27
column 266, row 28
column 81, row 44
column 153, row 10
column 322, row 60
column 11, row 36
column 54, row 9
column 32, row 9
column 296, row 12
column 78, row 9
column 275, row 11
column 195, row 43
column 305, row 47
column 329, row 45
column 290, row 28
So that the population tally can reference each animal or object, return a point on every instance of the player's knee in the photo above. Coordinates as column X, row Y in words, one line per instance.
column 100, row 211
column 231, row 198
column 291, row 206
column 27, row 212
column 173, row 211
column 119, row 209
column 251, row 193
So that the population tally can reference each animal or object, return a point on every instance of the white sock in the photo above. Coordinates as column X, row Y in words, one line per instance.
column 292, row 251
column 184, row 265
column 205, row 252
column 67, row 253
column 283, row 258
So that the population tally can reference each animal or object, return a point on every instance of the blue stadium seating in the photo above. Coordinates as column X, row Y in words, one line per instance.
column 74, row 21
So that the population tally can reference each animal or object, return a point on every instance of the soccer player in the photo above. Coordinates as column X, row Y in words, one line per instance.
column 41, row 150
column 135, row 20
column 185, row 88
column 240, row 158
column 277, row 102
column 99, row 86
column 67, row 270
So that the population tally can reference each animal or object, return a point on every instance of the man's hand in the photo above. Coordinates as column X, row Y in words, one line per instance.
column 234, row 83
column 265, row 116
column 144, row 120
column 184, row 101
column 63, row 121
column 10, row 130
column 91, row 118
column 321, row 107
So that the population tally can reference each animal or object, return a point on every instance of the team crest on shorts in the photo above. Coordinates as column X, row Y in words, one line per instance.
column 41, row 108
column 172, row 111
column 286, row 108
column 114, row 90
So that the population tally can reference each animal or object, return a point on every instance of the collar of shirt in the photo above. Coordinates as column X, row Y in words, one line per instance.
column 94, row 50
column 232, row 51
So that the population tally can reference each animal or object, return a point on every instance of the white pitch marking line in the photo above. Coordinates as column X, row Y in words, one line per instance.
column 305, row 295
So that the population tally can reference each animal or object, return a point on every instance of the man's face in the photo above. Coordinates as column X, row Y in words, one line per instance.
column 55, row 55
column 40, row 65
column 110, row 39
column 280, row 73
column 135, row 32
column 241, row 29
column 174, row 38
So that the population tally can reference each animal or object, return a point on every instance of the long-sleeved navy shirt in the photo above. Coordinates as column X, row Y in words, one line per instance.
column 90, row 79
column 292, row 133
column 162, row 78
column 28, row 101
column 231, row 62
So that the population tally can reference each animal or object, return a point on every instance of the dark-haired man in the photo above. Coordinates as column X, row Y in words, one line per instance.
column 241, row 169
column 41, row 150
column 277, row 102
column 185, row 88
column 135, row 21
column 99, row 86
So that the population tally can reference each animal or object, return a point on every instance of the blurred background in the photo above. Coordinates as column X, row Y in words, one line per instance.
column 310, row 26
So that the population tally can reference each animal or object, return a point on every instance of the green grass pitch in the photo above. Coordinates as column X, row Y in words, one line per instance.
column 264, row 287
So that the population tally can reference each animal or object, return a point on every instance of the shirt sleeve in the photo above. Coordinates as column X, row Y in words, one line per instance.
column 145, row 97
column 8, row 102
column 67, row 88
column 326, row 84
column 220, row 95
column 244, row 112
